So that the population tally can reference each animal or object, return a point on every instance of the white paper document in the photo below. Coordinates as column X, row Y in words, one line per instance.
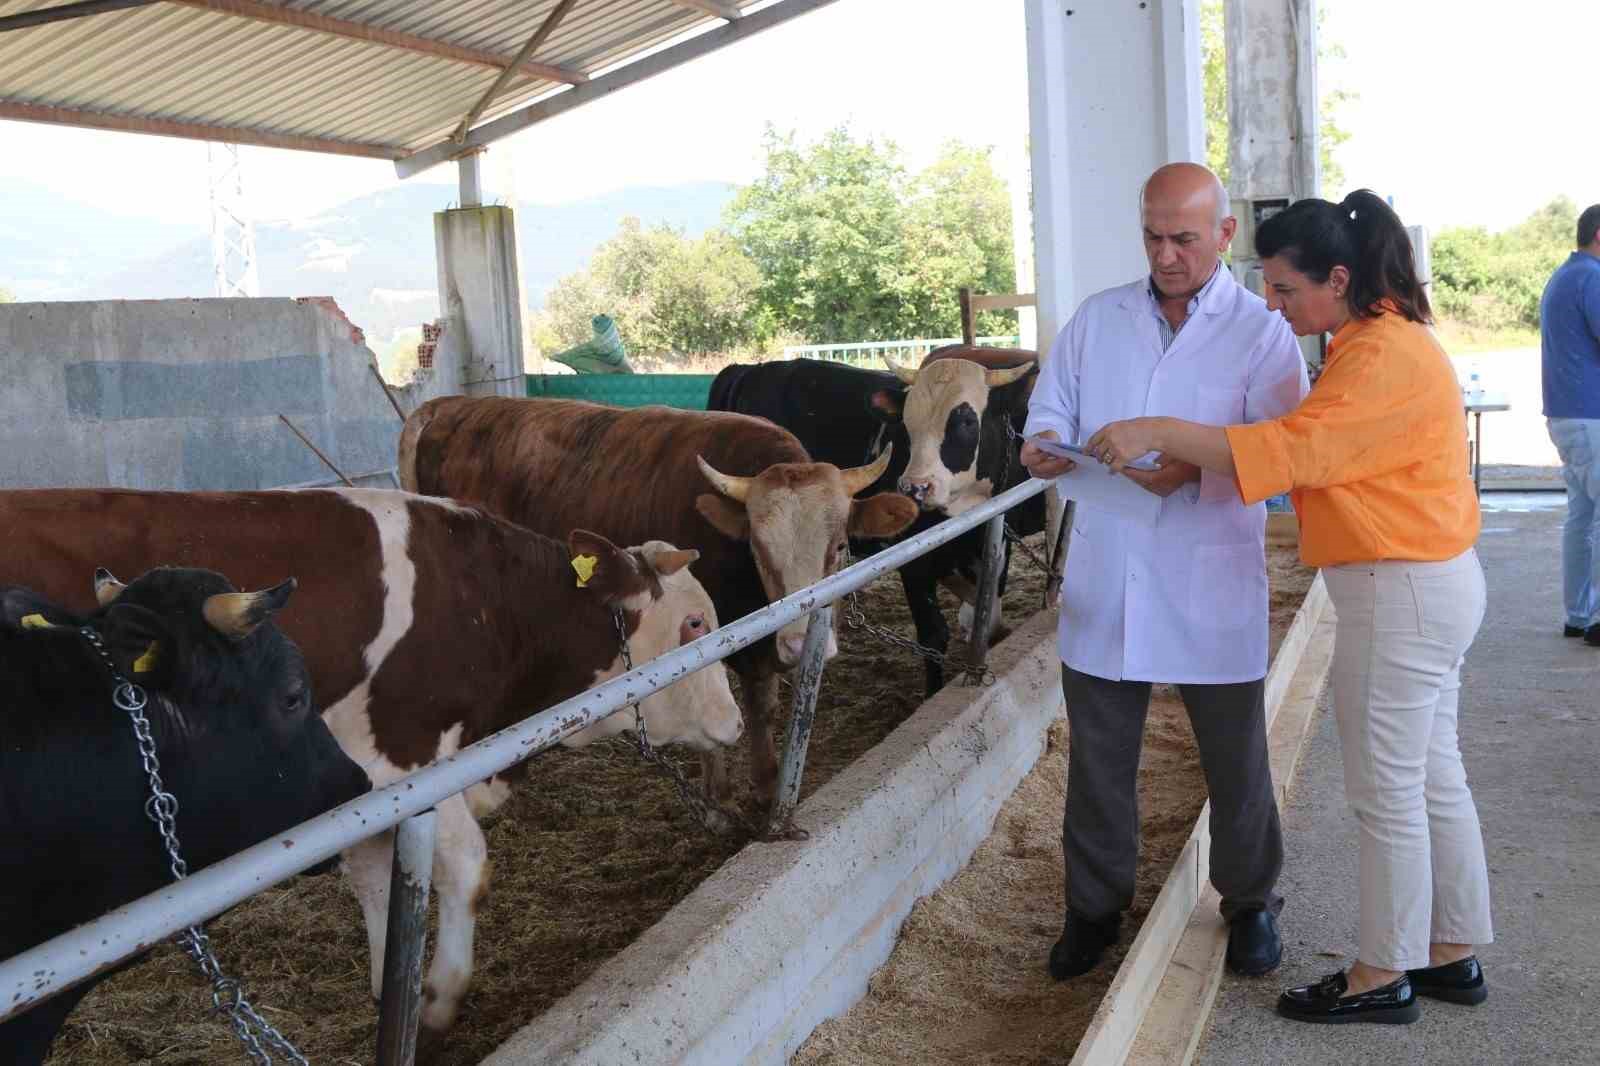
column 1077, row 454
column 1093, row 485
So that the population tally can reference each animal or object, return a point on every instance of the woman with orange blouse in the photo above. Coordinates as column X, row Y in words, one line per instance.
column 1375, row 460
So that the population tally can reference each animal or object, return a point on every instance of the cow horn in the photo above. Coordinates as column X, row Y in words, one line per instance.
column 735, row 488
column 106, row 587
column 859, row 477
column 237, row 614
column 669, row 562
column 996, row 378
column 907, row 374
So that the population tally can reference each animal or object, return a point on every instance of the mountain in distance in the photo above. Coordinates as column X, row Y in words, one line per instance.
column 374, row 254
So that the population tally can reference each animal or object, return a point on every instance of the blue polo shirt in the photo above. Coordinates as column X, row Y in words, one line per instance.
column 1569, row 332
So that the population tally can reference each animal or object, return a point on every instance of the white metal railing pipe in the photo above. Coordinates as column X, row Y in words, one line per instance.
column 96, row 946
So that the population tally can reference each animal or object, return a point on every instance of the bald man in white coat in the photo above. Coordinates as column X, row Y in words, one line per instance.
column 1184, row 601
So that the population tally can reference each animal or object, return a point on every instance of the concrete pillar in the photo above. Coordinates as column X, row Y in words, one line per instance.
column 1272, row 98
column 1113, row 92
column 471, row 180
column 480, row 295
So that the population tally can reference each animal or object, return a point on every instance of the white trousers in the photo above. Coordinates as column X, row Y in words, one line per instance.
column 1403, row 629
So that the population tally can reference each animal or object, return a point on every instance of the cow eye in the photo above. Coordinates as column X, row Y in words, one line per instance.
column 696, row 623
column 298, row 701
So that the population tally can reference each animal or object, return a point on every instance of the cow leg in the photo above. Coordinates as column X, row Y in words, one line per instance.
column 933, row 632
column 367, row 865
column 461, row 879
column 714, row 776
column 760, row 687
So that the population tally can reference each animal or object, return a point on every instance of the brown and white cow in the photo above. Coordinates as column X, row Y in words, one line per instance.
column 775, row 523
column 425, row 626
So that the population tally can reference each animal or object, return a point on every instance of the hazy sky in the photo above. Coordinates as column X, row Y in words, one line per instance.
column 1468, row 112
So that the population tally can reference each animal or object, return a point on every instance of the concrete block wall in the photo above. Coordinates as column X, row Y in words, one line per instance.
column 186, row 394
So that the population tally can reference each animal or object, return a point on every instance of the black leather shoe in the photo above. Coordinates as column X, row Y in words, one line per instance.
column 1591, row 636
column 1573, row 631
column 1325, row 1002
column 1454, row 982
column 1253, row 944
column 1082, row 942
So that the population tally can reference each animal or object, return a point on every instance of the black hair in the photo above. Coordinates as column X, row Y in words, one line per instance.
column 1588, row 222
column 1360, row 233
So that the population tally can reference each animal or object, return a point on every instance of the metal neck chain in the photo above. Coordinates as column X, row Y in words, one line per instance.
column 712, row 817
column 227, row 994
column 855, row 617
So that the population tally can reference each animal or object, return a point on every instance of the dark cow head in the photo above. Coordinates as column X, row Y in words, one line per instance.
column 242, row 744
column 667, row 607
column 797, row 517
column 956, row 413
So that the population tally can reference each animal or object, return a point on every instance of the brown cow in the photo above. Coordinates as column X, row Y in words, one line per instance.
column 776, row 523
column 425, row 626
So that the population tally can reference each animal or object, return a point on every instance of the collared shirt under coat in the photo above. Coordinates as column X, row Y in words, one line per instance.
column 1184, row 601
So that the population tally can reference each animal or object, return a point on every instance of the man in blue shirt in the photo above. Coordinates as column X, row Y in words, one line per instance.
column 1569, row 327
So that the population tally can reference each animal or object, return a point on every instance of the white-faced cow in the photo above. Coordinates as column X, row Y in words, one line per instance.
column 772, row 522
column 239, row 743
column 846, row 415
column 426, row 626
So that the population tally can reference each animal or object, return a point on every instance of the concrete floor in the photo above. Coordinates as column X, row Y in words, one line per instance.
column 1530, row 728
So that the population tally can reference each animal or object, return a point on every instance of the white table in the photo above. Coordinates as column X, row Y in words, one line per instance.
column 1476, row 403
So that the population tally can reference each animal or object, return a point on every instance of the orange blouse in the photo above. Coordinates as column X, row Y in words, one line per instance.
column 1376, row 454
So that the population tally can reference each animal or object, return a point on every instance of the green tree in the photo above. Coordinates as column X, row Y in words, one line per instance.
column 1214, row 89
column 851, row 247
column 1493, row 281
column 666, row 293
column 824, row 226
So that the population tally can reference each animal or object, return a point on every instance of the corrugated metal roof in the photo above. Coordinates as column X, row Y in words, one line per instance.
column 244, row 71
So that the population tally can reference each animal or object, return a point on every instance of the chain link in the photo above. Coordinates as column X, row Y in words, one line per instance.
column 711, row 816
column 227, row 993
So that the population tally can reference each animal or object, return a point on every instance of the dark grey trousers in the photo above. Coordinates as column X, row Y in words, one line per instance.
column 1100, row 832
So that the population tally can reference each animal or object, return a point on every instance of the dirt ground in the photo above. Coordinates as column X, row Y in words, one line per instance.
column 591, row 850
column 966, row 983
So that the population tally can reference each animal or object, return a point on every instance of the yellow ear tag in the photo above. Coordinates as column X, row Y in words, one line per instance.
column 147, row 662
column 35, row 621
column 584, row 565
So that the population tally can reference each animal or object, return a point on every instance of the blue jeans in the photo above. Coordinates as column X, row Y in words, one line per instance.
column 1578, row 441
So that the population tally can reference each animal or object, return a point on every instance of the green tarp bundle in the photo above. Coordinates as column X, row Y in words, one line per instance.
column 604, row 354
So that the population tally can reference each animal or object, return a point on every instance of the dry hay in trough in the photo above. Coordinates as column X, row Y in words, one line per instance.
column 591, row 850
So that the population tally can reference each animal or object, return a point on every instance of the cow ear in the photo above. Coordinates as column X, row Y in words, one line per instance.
column 603, row 568
column 22, row 608
column 880, row 517
column 140, row 643
column 887, row 405
column 729, row 518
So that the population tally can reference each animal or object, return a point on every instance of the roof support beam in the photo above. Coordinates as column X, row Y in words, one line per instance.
column 61, row 116
column 306, row 20
column 540, row 35
column 596, row 88
column 723, row 9
column 44, row 16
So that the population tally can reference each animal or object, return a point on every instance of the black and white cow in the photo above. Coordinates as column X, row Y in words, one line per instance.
column 240, row 744
column 842, row 414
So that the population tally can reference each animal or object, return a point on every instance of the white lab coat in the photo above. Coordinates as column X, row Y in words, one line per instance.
column 1184, row 601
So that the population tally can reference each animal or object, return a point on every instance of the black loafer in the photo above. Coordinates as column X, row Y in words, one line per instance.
column 1325, row 1002
column 1591, row 636
column 1253, row 944
column 1083, row 941
column 1454, row 982
column 1573, row 631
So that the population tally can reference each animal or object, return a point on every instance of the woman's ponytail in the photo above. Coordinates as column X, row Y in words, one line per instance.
column 1385, row 267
